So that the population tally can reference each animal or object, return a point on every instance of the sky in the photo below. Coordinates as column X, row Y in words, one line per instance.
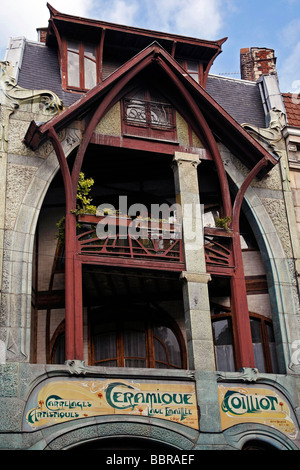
column 273, row 24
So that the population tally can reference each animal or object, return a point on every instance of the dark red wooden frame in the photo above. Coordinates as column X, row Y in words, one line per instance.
column 64, row 65
column 115, row 87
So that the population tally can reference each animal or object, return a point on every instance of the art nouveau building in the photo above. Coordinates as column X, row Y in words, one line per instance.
column 163, row 313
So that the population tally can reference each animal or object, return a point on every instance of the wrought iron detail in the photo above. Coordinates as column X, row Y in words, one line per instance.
column 148, row 113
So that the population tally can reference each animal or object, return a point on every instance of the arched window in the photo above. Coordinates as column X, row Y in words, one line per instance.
column 128, row 338
column 263, row 341
column 58, row 345
column 136, row 339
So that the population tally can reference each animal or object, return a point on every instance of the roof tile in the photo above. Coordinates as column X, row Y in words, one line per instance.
column 292, row 107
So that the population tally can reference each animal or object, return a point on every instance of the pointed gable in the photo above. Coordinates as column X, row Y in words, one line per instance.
column 164, row 70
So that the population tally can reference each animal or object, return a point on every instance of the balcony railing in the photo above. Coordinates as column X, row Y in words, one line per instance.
column 157, row 244
column 145, row 241
column 148, row 113
column 218, row 250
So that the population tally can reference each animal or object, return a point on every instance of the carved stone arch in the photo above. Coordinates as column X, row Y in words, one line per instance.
column 273, row 257
column 108, row 427
column 239, row 435
column 18, row 276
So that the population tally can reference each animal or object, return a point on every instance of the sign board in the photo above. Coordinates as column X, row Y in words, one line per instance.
column 256, row 404
column 60, row 400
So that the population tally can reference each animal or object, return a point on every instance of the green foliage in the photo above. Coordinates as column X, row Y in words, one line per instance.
column 83, row 204
column 223, row 223
column 60, row 235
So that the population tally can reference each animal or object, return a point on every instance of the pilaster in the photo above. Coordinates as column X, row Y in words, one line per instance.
column 194, row 279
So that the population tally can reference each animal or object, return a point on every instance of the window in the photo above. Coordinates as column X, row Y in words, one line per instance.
column 262, row 339
column 81, row 65
column 58, row 352
column 128, row 340
column 263, row 344
column 192, row 68
column 58, row 345
column 125, row 339
column 147, row 114
column 223, row 339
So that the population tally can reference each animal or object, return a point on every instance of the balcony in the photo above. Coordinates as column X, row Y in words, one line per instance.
column 126, row 242
column 148, row 244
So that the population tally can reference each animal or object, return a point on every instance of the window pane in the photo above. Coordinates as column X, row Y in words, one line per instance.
column 192, row 68
column 73, row 69
column 161, row 365
column 134, row 344
column 105, row 346
column 89, row 73
column 159, row 352
column 73, row 46
column 108, row 363
column 59, row 350
column 90, row 51
column 257, row 344
column 170, row 341
column 223, row 341
column 135, row 363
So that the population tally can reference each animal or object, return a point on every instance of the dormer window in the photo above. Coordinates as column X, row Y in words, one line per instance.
column 81, row 65
column 193, row 68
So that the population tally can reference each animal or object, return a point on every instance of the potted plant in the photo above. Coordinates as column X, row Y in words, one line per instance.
column 83, row 204
column 223, row 223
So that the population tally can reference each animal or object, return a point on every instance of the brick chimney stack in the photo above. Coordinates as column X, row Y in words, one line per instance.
column 42, row 34
column 256, row 62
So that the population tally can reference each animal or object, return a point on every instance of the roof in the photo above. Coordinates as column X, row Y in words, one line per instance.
column 292, row 107
column 203, row 110
column 130, row 38
column 40, row 70
column 240, row 98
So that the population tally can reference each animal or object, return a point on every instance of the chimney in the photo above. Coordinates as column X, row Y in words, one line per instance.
column 256, row 62
column 42, row 34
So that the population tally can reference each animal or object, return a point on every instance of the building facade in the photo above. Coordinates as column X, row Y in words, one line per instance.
column 149, row 290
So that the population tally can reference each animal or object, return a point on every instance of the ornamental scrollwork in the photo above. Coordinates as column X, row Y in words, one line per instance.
column 270, row 137
column 12, row 95
column 246, row 374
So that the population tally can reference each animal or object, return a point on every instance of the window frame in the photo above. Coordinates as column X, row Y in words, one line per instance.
column 151, row 320
column 199, row 73
column 147, row 128
column 264, row 321
column 81, row 71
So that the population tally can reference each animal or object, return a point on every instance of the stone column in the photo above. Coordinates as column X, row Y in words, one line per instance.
column 195, row 278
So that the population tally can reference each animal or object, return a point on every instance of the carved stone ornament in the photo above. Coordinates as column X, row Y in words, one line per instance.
column 13, row 95
column 247, row 374
column 270, row 137
column 76, row 367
